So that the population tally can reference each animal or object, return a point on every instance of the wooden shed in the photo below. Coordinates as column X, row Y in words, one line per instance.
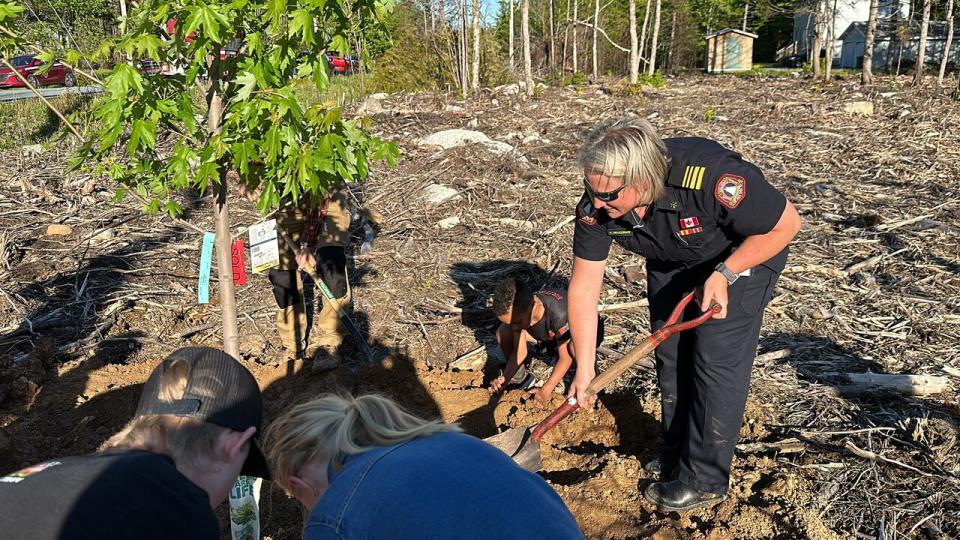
column 730, row 50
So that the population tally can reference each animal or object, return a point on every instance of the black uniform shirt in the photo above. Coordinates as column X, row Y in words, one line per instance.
column 124, row 495
column 712, row 200
column 552, row 327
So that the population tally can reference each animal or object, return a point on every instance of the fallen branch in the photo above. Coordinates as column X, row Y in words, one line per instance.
column 866, row 454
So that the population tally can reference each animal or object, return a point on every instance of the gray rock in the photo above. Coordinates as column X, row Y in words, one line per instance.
column 436, row 194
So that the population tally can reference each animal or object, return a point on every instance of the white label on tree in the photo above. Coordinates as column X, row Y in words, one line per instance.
column 264, row 249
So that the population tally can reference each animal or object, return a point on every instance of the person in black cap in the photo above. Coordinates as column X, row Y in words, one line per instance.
column 704, row 218
column 162, row 475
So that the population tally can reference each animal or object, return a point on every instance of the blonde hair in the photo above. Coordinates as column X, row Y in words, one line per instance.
column 333, row 426
column 628, row 148
column 186, row 440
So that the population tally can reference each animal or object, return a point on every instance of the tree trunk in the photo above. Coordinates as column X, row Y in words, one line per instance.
column 464, row 51
column 525, row 30
column 442, row 14
column 922, row 47
column 476, row 46
column 746, row 11
column 866, row 76
column 643, row 31
column 673, row 35
column 652, row 66
column 831, row 39
column 566, row 35
column 947, row 45
column 512, row 40
column 228, row 300
column 596, row 23
column 634, row 56
column 553, row 42
column 575, row 53
column 815, row 46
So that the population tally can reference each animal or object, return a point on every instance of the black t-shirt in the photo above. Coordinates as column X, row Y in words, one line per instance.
column 129, row 494
column 712, row 201
column 552, row 327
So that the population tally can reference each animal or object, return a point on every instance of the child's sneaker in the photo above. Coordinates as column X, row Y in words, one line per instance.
column 524, row 379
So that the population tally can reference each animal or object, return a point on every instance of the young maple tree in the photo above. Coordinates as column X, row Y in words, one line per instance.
column 231, row 103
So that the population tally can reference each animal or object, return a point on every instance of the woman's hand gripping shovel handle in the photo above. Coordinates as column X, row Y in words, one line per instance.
column 602, row 380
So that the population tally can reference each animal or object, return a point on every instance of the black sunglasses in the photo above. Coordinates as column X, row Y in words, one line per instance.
column 605, row 196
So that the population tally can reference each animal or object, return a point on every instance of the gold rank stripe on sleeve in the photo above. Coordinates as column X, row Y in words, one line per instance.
column 693, row 177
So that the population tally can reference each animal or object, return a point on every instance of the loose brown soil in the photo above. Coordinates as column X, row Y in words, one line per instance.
column 86, row 316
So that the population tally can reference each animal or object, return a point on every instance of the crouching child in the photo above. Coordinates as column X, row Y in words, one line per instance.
column 531, row 320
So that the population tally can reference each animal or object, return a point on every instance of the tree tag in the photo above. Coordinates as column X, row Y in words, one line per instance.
column 237, row 259
column 206, row 259
column 264, row 249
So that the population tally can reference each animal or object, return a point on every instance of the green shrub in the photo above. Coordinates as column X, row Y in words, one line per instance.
column 30, row 121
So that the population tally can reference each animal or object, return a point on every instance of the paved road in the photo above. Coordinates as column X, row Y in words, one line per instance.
column 17, row 94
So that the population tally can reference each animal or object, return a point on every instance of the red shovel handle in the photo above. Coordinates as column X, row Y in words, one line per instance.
column 613, row 372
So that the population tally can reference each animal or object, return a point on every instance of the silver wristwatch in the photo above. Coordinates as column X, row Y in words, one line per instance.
column 726, row 272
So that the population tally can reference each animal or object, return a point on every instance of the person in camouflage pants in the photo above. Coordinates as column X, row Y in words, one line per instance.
column 321, row 231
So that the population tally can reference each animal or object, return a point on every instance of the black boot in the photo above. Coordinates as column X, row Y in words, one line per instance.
column 679, row 497
column 655, row 468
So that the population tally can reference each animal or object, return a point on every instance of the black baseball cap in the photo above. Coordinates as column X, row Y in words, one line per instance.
column 219, row 390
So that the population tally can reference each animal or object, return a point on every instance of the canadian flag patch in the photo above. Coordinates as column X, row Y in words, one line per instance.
column 689, row 222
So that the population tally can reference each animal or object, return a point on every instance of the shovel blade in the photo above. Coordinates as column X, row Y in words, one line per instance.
column 518, row 443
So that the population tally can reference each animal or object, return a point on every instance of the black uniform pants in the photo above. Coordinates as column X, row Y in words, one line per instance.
column 704, row 373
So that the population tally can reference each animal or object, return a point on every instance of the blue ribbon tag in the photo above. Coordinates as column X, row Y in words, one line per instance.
column 206, row 260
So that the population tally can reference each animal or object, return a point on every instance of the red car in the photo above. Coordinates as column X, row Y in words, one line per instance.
column 342, row 65
column 28, row 65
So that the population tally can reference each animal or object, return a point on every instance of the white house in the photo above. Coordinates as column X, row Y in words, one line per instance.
column 847, row 12
column 853, row 41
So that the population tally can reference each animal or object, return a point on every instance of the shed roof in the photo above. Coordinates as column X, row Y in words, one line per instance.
column 728, row 30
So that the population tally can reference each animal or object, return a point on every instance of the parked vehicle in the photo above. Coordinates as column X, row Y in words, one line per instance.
column 341, row 65
column 28, row 65
column 794, row 61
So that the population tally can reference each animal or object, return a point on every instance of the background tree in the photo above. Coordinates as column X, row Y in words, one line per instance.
column 634, row 53
column 866, row 75
column 476, row 46
column 525, row 30
column 922, row 45
column 947, row 45
column 652, row 64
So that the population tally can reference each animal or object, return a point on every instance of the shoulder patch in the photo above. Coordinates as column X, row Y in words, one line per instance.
column 730, row 190
column 691, row 178
column 586, row 213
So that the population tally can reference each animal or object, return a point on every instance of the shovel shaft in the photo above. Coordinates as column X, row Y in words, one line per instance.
column 620, row 366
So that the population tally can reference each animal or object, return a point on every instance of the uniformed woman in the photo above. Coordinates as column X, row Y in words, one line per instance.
column 703, row 218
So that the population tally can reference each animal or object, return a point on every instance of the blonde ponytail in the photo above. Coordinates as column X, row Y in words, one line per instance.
column 333, row 427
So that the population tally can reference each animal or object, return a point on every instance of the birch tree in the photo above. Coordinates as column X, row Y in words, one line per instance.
column 652, row 65
column 596, row 24
column 866, row 75
column 922, row 46
column 643, row 31
column 510, row 47
column 553, row 42
column 947, row 45
column 525, row 30
column 575, row 53
column 831, row 38
column 815, row 46
column 476, row 46
column 634, row 54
